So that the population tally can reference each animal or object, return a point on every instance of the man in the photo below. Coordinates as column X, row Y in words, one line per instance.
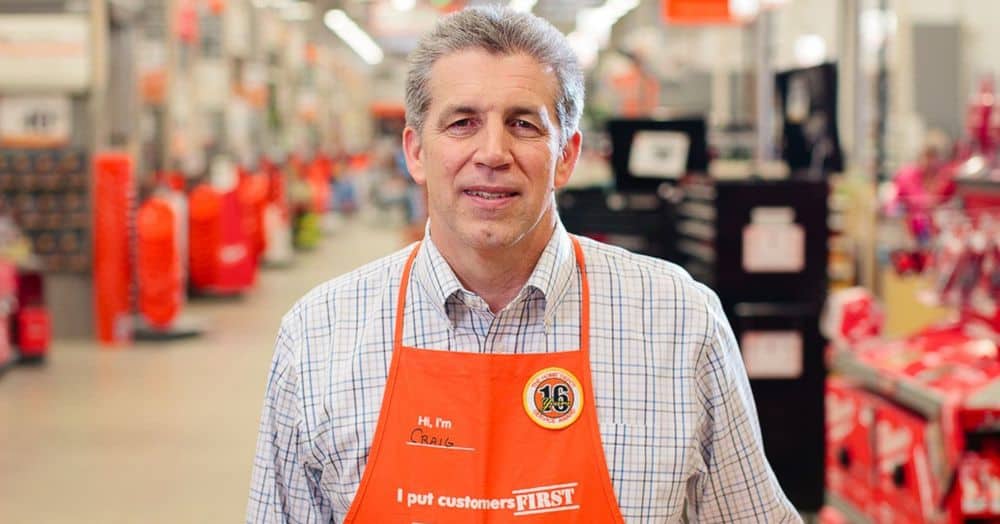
column 501, row 370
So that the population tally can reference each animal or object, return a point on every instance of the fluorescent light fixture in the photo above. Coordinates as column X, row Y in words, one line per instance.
column 744, row 9
column 404, row 5
column 810, row 50
column 523, row 6
column 353, row 36
column 595, row 24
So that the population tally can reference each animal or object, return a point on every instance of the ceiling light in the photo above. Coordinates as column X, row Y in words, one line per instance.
column 744, row 9
column 353, row 36
column 810, row 50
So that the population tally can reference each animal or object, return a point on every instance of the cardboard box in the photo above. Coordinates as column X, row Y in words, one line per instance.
column 850, row 420
column 908, row 487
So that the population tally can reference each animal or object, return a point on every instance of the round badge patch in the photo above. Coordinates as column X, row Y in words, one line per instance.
column 553, row 398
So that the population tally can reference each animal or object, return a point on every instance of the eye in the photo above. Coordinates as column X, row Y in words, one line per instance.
column 525, row 128
column 462, row 127
column 462, row 124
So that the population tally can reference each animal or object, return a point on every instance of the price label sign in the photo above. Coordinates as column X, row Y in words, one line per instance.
column 35, row 121
column 659, row 154
column 772, row 354
column 773, row 242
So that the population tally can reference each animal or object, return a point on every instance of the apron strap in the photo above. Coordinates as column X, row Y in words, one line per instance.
column 584, row 297
column 397, row 338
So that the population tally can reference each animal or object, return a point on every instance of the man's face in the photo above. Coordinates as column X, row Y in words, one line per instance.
column 489, row 153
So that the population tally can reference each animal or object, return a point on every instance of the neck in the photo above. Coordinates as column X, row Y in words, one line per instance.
column 498, row 274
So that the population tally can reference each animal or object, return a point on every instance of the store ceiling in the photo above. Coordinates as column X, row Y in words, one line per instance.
column 562, row 13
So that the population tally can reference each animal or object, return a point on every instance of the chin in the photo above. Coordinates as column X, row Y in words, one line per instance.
column 490, row 238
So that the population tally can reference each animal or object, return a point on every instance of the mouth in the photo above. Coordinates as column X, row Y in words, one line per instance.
column 490, row 194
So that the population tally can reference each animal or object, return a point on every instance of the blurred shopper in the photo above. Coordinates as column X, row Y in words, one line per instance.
column 503, row 368
column 415, row 204
column 918, row 188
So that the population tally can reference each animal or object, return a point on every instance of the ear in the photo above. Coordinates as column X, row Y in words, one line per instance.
column 414, row 152
column 567, row 159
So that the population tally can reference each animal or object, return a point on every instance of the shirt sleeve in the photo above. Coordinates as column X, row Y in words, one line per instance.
column 737, row 483
column 284, row 489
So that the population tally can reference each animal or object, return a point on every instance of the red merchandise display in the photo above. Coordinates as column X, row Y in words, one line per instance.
column 236, row 268
column 850, row 435
column 31, row 327
column 220, row 259
column 113, row 198
column 34, row 331
column 908, row 487
column 253, row 197
column 935, row 439
column 318, row 175
column 158, row 264
column 205, row 209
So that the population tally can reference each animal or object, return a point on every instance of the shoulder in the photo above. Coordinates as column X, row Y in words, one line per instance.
column 346, row 297
column 644, row 277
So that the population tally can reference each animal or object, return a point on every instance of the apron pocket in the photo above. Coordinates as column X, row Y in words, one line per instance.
column 648, row 471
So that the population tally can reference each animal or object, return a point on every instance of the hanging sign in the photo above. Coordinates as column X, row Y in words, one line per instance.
column 696, row 12
column 35, row 121
column 44, row 52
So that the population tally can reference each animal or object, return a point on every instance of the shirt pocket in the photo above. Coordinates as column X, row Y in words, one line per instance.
column 648, row 468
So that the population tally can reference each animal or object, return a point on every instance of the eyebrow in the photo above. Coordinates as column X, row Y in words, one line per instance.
column 525, row 110
column 462, row 109
column 450, row 111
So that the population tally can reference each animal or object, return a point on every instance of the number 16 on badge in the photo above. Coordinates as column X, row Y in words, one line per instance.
column 553, row 398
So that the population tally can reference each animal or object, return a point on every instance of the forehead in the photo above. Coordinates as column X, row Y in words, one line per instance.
column 476, row 76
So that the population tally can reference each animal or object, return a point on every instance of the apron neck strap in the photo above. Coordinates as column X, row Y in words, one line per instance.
column 397, row 338
column 584, row 298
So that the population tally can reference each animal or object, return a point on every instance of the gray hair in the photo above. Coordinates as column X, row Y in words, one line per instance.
column 498, row 30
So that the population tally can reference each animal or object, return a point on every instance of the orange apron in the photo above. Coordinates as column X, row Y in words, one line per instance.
column 469, row 437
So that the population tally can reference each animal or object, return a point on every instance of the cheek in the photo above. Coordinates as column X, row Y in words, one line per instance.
column 449, row 162
column 539, row 159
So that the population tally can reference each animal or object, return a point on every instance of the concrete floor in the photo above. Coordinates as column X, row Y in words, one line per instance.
column 160, row 432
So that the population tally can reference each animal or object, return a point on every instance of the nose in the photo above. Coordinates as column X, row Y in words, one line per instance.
column 494, row 146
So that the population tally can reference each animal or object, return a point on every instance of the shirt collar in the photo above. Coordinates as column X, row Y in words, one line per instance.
column 551, row 277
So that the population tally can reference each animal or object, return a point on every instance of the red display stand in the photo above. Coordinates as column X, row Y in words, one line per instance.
column 113, row 200
column 158, row 264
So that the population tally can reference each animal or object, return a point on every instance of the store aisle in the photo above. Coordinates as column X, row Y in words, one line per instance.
column 159, row 432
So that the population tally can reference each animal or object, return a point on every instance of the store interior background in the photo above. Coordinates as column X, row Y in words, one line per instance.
column 175, row 173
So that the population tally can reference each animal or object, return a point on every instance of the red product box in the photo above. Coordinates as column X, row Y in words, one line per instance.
column 850, row 420
column 34, row 331
column 908, row 471
column 979, row 483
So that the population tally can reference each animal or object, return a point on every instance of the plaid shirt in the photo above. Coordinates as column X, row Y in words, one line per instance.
column 677, row 418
